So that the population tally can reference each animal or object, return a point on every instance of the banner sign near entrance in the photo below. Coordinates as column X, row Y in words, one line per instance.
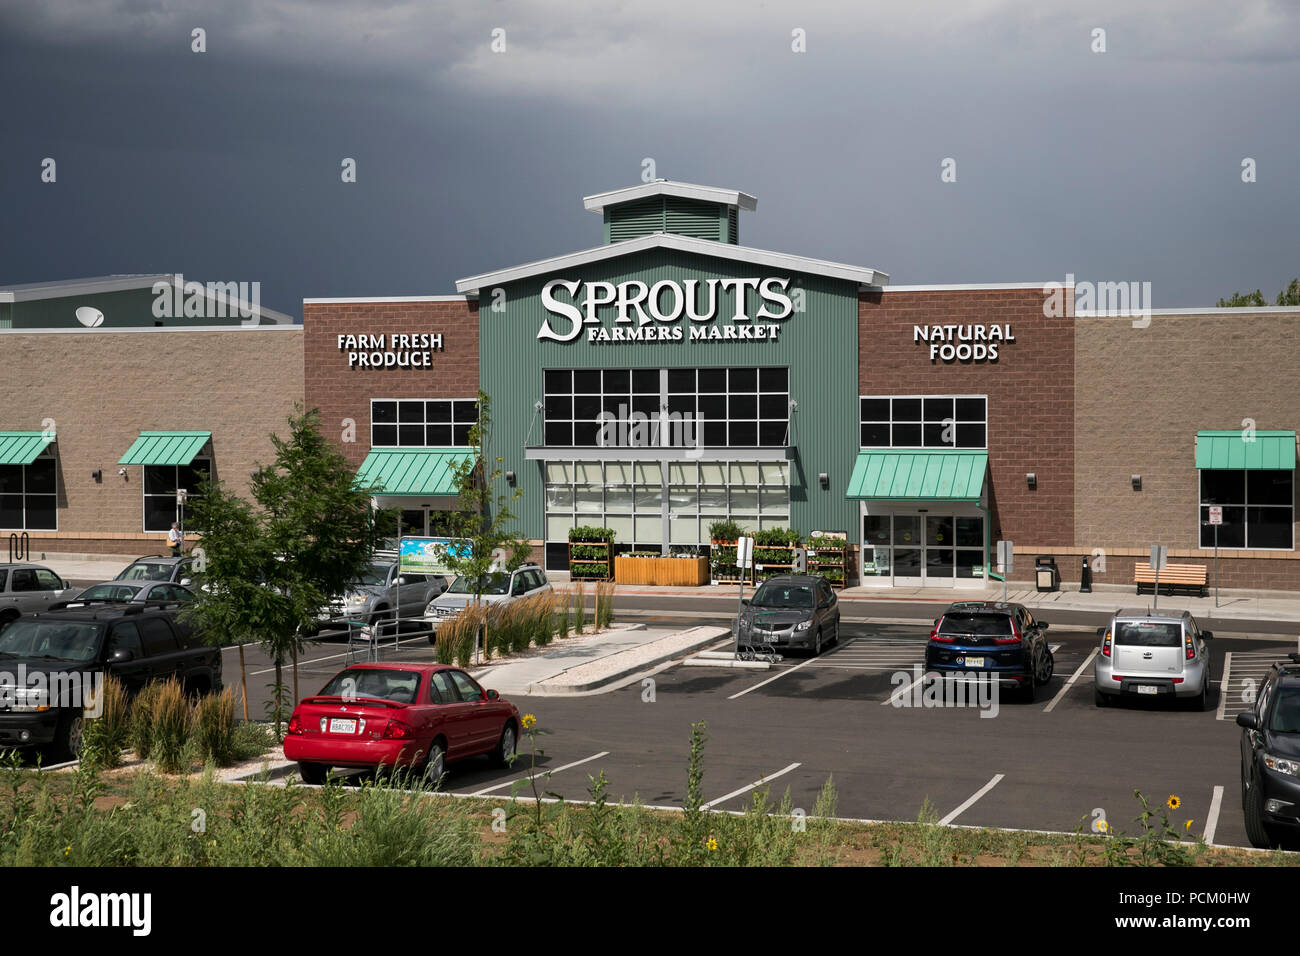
column 428, row 555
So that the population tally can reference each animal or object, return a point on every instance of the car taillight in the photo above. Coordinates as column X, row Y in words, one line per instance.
column 1189, row 646
column 396, row 730
column 936, row 636
column 295, row 725
column 1105, row 645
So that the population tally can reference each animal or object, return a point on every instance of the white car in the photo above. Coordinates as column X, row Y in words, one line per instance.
column 500, row 588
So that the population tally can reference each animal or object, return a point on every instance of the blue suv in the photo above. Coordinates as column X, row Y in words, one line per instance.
column 985, row 640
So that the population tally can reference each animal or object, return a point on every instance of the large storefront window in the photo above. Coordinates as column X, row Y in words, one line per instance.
column 422, row 423
column 160, row 484
column 29, row 496
column 720, row 407
column 629, row 498
column 924, row 421
column 922, row 547
column 1258, row 507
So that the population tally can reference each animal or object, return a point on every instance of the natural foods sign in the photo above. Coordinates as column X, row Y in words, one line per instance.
column 654, row 312
column 963, row 343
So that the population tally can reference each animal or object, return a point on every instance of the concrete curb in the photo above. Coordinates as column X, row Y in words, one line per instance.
column 711, row 636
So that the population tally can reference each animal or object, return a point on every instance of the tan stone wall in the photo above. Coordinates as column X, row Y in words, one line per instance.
column 103, row 388
column 1141, row 394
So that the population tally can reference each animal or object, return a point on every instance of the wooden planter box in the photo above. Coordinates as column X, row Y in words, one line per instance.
column 683, row 572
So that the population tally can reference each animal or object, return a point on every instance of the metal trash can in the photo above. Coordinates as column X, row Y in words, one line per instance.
column 1046, row 574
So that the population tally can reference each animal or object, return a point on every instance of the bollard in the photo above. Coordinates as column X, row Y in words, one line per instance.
column 1085, row 578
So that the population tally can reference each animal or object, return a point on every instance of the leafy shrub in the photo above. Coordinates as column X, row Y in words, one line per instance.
column 214, row 728
column 141, row 721
column 725, row 531
column 171, row 727
column 106, row 736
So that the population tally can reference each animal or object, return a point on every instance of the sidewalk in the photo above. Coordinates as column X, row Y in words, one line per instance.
column 589, row 664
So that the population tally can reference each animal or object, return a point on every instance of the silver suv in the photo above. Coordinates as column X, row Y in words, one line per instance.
column 27, row 588
column 499, row 588
column 380, row 587
column 1153, row 655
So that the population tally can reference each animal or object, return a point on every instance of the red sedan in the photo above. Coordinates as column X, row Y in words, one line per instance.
column 420, row 716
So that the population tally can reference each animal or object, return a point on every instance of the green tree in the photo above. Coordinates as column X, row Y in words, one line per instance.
column 483, row 520
column 270, row 565
column 1290, row 295
column 1244, row 300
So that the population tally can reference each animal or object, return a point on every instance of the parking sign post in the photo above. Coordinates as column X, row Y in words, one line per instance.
column 1216, row 519
column 744, row 559
column 1006, row 554
column 1159, row 557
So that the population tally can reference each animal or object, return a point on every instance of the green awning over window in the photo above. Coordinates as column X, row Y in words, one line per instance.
column 165, row 448
column 934, row 474
column 412, row 471
column 22, row 448
column 1237, row 448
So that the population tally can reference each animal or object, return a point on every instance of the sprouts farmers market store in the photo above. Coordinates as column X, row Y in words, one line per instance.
column 670, row 378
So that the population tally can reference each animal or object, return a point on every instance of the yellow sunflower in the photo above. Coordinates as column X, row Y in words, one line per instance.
column 1173, row 803
column 711, row 844
column 1188, row 826
column 529, row 721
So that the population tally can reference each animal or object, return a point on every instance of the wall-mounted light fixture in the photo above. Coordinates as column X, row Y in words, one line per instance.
column 1031, row 480
column 121, row 473
column 97, row 475
column 1137, row 482
column 510, row 477
column 824, row 479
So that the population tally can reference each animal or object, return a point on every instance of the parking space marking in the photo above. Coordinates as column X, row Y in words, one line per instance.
column 745, row 789
column 1238, row 668
column 1070, row 683
column 763, row 683
column 1223, row 684
column 1212, row 821
column 542, row 773
column 970, row 801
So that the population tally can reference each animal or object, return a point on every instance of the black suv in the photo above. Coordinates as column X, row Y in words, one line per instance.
column 65, row 654
column 1270, row 757
column 988, row 640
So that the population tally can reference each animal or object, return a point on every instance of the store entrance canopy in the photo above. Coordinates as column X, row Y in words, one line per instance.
column 423, row 472
column 932, row 474
column 23, row 448
column 1246, row 449
column 165, row 448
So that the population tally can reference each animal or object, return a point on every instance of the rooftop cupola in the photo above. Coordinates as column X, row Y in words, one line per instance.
column 702, row 212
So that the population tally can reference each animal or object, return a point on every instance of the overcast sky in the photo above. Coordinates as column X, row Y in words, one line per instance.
column 225, row 165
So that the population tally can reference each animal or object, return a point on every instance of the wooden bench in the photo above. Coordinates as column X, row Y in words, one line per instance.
column 1173, row 577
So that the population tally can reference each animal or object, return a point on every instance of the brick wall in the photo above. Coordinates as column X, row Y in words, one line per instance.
column 1030, row 389
column 103, row 388
column 343, row 393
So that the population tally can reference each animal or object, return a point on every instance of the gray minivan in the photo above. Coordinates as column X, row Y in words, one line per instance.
column 1159, row 655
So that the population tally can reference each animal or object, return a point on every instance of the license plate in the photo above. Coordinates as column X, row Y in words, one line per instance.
column 1147, row 689
column 340, row 726
column 974, row 662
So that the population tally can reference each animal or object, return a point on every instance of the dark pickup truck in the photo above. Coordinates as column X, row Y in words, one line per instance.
column 50, row 661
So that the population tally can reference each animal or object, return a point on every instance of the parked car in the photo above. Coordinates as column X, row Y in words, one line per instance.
column 498, row 589
column 990, row 640
column 159, row 567
column 135, row 643
column 1162, row 655
column 791, row 611
column 417, row 716
column 1270, row 757
column 131, row 592
column 26, row 589
column 371, row 598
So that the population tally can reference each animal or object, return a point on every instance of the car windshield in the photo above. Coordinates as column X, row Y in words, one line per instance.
column 978, row 625
column 147, row 571
column 490, row 584
column 109, row 592
column 397, row 686
column 1286, row 710
column 374, row 576
column 1149, row 633
column 57, row 640
column 783, row 596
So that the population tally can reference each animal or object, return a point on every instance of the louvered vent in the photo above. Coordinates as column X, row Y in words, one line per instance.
column 733, row 225
column 685, row 217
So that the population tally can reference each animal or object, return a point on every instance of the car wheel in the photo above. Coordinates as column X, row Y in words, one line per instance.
column 435, row 765
column 1253, row 811
column 835, row 635
column 505, row 751
column 817, row 647
column 314, row 773
column 1200, row 701
column 68, row 735
column 8, row 616
column 1048, row 666
column 1027, row 690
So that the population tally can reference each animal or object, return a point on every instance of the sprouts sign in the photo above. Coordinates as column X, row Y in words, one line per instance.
column 653, row 312
column 963, row 343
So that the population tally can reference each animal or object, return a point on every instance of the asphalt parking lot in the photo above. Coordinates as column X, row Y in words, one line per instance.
column 1056, row 764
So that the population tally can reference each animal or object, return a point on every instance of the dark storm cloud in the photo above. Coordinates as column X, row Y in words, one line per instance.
column 225, row 165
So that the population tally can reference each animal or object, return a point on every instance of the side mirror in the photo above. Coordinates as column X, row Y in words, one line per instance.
column 185, row 582
column 1043, row 625
column 744, row 602
column 493, row 695
column 1208, row 635
column 122, row 656
column 1101, row 632
column 1248, row 720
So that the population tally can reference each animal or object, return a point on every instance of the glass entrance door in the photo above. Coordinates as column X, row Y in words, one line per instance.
column 909, row 553
column 922, row 549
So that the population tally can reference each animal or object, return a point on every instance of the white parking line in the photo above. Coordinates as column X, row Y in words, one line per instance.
column 1224, row 685
column 542, row 773
column 1212, row 821
column 1070, row 683
column 901, row 692
column 997, row 777
column 772, row 678
column 745, row 789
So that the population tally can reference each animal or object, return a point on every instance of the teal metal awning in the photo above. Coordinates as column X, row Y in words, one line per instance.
column 165, row 448
column 22, row 448
column 1239, row 448
column 412, row 471
column 934, row 474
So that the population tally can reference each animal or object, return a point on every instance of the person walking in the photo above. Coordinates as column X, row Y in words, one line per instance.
column 175, row 539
